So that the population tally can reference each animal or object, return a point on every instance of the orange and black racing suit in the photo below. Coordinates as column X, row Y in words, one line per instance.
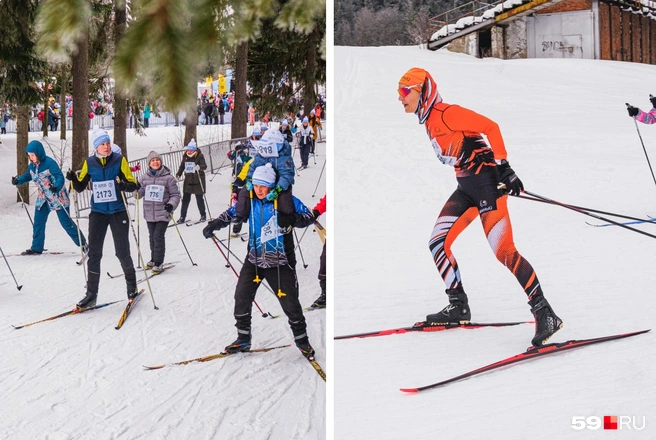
column 455, row 133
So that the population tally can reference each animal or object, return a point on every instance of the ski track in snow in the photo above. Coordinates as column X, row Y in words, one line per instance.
column 78, row 378
column 569, row 138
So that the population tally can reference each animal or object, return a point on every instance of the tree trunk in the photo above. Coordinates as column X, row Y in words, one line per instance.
column 81, row 102
column 309, row 95
column 62, row 104
column 22, row 137
column 240, row 112
column 46, row 107
column 120, row 100
column 191, row 119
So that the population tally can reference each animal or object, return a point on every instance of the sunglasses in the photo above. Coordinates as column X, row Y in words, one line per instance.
column 405, row 91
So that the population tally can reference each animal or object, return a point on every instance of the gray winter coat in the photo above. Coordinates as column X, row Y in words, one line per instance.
column 154, row 210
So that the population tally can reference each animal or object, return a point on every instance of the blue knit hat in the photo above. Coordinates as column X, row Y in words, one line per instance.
column 100, row 136
column 265, row 175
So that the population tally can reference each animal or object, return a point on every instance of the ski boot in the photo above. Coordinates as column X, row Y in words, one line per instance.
column 203, row 219
column 320, row 303
column 457, row 312
column 88, row 301
column 150, row 264
column 241, row 344
column 157, row 268
column 181, row 220
column 306, row 349
column 30, row 251
column 546, row 321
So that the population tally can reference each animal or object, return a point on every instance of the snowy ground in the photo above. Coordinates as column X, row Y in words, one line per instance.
column 569, row 138
column 78, row 378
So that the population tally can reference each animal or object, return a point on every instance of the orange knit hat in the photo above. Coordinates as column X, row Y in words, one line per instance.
column 413, row 77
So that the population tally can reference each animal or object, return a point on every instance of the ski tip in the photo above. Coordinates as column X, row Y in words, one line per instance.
column 157, row 367
column 409, row 390
column 16, row 327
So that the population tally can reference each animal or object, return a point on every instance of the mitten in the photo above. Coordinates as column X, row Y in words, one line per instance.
column 168, row 207
column 197, row 167
column 274, row 193
column 208, row 231
column 249, row 185
column 652, row 99
column 70, row 175
column 509, row 180
column 14, row 180
column 633, row 111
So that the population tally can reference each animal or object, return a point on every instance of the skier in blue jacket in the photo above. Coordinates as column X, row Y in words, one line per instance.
column 51, row 196
column 270, row 257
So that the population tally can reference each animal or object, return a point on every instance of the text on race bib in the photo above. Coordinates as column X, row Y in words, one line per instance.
column 446, row 160
column 269, row 231
column 154, row 193
column 104, row 191
column 266, row 149
column 190, row 167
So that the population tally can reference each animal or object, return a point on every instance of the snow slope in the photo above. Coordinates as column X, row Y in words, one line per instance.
column 78, row 378
column 569, row 138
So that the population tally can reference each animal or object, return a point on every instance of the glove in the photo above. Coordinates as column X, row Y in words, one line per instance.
column 652, row 99
column 121, row 186
column 509, row 179
column 168, row 207
column 249, row 185
column 70, row 175
column 14, row 180
column 128, row 186
column 209, row 229
column 633, row 111
column 274, row 193
column 197, row 167
column 137, row 167
column 316, row 214
column 285, row 220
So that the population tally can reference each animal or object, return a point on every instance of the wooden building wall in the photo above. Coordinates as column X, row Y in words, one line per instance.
column 625, row 36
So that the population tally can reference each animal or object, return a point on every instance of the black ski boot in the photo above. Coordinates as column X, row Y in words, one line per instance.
column 307, row 351
column 203, row 219
column 320, row 303
column 181, row 220
column 457, row 312
column 546, row 321
column 88, row 301
column 30, row 251
column 241, row 344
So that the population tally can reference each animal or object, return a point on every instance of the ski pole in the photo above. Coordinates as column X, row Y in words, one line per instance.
column 79, row 233
column 586, row 209
column 298, row 241
column 319, row 180
column 136, row 214
column 275, row 212
column 242, row 263
column 216, row 242
column 643, row 145
column 11, row 271
column 300, row 251
column 134, row 235
column 181, row 239
column 581, row 211
column 202, row 188
column 25, row 207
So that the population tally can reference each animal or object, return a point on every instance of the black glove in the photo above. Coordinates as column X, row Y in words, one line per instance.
column 633, row 111
column 128, row 186
column 168, row 207
column 122, row 186
column 315, row 213
column 652, row 99
column 511, row 183
column 70, row 175
column 14, row 180
column 208, row 230
column 285, row 220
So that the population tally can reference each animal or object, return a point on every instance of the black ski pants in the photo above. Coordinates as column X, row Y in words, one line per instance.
column 287, row 283
column 156, row 234
column 120, row 226
column 322, row 269
column 186, row 198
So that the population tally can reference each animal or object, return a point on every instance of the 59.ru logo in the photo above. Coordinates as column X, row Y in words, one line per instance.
column 609, row 422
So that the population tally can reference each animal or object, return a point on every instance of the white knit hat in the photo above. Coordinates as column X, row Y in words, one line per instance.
column 100, row 136
column 264, row 175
